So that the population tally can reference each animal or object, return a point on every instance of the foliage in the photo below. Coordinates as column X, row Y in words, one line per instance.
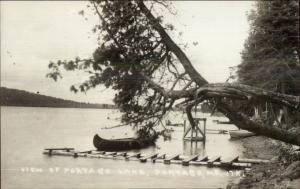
column 129, row 47
column 270, row 59
column 271, row 53
column 288, row 153
column 139, row 60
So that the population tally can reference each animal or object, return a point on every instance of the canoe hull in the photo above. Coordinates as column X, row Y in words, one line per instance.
column 121, row 144
column 240, row 134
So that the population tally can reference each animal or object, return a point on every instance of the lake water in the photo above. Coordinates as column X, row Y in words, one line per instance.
column 26, row 131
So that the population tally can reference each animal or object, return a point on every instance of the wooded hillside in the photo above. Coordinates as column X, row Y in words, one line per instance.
column 15, row 97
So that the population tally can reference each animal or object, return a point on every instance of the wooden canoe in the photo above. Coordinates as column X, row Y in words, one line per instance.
column 240, row 133
column 122, row 144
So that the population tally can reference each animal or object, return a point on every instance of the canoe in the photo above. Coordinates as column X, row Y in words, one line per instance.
column 222, row 122
column 240, row 133
column 122, row 144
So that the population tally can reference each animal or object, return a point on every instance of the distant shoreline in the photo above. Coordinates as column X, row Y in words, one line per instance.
column 21, row 98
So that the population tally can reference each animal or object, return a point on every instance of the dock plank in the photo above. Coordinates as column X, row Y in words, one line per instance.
column 217, row 161
column 65, row 149
column 162, row 156
column 137, row 155
column 229, row 161
column 111, row 153
column 123, row 154
column 186, row 161
column 168, row 160
column 202, row 158
column 241, row 165
column 213, row 159
column 144, row 159
column 254, row 161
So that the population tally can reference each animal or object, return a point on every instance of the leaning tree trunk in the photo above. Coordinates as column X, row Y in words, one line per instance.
column 220, row 91
column 244, row 122
column 173, row 47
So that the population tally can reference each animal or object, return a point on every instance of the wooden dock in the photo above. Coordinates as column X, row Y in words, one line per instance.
column 216, row 161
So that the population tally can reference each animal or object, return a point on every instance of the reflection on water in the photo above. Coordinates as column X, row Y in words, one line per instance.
column 25, row 132
column 194, row 148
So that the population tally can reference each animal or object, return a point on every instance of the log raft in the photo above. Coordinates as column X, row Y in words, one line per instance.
column 217, row 161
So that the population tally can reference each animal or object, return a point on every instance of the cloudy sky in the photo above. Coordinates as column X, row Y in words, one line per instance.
column 34, row 33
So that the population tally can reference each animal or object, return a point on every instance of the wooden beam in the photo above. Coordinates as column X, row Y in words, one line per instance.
column 66, row 149
column 174, row 157
column 229, row 161
column 163, row 156
column 123, row 154
column 200, row 131
column 187, row 131
column 85, row 152
column 144, row 159
column 241, row 165
column 50, row 150
column 100, row 152
column 203, row 158
column 254, row 161
column 111, row 153
column 137, row 155
column 186, row 161
column 213, row 159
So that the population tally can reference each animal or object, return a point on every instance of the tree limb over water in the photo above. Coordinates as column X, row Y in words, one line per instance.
column 151, row 73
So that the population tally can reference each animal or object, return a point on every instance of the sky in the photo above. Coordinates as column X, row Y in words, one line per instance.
column 35, row 33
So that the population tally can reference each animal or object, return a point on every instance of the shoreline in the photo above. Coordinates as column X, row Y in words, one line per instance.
column 276, row 174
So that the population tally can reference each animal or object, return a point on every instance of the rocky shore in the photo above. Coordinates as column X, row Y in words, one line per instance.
column 279, row 174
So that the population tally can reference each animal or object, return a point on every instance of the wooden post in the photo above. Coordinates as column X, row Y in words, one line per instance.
column 75, row 154
column 187, row 131
column 192, row 130
column 204, row 130
column 195, row 130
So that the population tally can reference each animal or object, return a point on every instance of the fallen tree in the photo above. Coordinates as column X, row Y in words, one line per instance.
column 151, row 73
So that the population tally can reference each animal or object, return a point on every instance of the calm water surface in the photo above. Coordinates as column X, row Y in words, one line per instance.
column 25, row 132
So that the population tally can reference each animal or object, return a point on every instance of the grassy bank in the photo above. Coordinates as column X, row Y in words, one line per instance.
column 283, row 172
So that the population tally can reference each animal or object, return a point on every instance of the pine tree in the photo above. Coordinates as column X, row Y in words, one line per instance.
column 270, row 58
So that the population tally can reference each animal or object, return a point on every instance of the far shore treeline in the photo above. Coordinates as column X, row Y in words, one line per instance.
column 15, row 97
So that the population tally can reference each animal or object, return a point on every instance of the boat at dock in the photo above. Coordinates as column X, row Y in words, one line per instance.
column 240, row 134
column 222, row 122
column 169, row 123
column 123, row 143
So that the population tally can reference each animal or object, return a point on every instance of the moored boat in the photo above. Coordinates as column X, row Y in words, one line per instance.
column 122, row 144
column 169, row 123
column 240, row 133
